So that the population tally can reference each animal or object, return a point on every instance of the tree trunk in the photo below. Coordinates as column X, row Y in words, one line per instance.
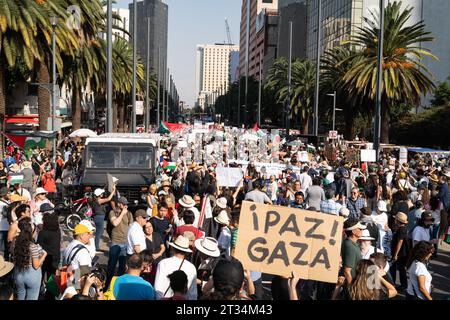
column 349, row 132
column 2, row 102
column 43, row 96
column 384, row 121
column 304, row 126
column 76, row 107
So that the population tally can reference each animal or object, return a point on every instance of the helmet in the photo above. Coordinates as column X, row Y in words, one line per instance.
column 402, row 175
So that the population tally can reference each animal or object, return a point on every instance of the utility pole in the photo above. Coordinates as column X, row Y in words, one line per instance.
column 109, row 111
column 288, row 102
column 133, row 112
column 377, row 127
column 167, row 94
column 316, row 96
column 54, row 21
column 158, row 98
column 259, row 90
column 147, row 90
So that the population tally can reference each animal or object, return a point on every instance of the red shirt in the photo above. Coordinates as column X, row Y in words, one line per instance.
column 180, row 230
column 48, row 183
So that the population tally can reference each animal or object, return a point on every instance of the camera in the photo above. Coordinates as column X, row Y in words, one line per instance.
column 100, row 274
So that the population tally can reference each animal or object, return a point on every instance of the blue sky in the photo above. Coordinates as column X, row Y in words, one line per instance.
column 193, row 22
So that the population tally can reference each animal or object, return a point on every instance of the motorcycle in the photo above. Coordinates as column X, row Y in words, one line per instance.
column 71, row 212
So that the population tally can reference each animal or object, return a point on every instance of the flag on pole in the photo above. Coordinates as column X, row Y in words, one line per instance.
column 206, row 211
column 169, row 165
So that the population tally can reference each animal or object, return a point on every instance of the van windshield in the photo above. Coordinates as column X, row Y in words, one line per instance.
column 119, row 157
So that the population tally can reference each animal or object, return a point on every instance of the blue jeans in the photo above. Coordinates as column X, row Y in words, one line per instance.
column 4, row 246
column 99, row 221
column 28, row 283
column 117, row 252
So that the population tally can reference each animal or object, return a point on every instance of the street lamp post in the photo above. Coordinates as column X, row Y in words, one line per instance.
column 109, row 111
column 133, row 112
column 147, row 100
column 288, row 102
column 377, row 127
column 316, row 96
column 334, row 107
column 54, row 21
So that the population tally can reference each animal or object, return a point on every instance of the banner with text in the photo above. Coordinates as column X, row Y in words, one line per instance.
column 278, row 240
column 228, row 177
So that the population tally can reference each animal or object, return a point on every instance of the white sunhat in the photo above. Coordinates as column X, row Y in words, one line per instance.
column 208, row 246
column 187, row 201
column 382, row 206
column 40, row 191
column 221, row 203
column 98, row 192
column 222, row 218
column 366, row 235
column 181, row 243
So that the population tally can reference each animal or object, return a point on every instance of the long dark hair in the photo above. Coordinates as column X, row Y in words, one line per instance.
column 420, row 252
column 50, row 221
column 22, row 245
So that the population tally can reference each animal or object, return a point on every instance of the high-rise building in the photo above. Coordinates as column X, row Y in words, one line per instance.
column 157, row 11
column 341, row 19
column 234, row 66
column 213, row 70
column 295, row 11
column 249, row 53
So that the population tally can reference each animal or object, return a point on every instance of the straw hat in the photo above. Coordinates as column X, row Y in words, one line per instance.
column 5, row 266
column 165, row 183
column 401, row 217
column 187, row 201
column 26, row 164
column 433, row 177
column 181, row 243
column 222, row 218
column 221, row 203
column 208, row 246
column 366, row 235
column 193, row 165
column 16, row 198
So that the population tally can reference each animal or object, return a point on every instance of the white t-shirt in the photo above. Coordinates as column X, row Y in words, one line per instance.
column 305, row 182
column 166, row 267
column 421, row 234
column 224, row 240
column 418, row 269
column 82, row 258
column 436, row 214
column 380, row 219
column 136, row 236
column 4, row 224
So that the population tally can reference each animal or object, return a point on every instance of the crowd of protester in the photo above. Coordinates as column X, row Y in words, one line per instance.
column 395, row 217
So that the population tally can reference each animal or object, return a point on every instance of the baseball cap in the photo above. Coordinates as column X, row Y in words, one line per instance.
column 352, row 224
column 123, row 201
column 88, row 224
column 140, row 213
column 98, row 192
column 46, row 207
column 80, row 229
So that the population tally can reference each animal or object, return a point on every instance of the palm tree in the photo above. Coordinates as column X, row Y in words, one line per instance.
column 302, row 85
column 405, row 78
column 18, row 42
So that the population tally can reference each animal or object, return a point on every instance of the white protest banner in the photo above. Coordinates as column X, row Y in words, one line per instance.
column 368, row 155
column 182, row 144
column 228, row 177
column 330, row 177
column 278, row 240
column 191, row 137
column 303, row 156
column 200, row 131
column 403, row 158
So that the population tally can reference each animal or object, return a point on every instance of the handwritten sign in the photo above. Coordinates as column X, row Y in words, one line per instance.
column 303, row 156
column 368, row 155
column 278, row 240
column 228, row 177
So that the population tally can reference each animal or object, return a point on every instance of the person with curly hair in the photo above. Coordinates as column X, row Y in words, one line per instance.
column 419, row 282
column 28, row 258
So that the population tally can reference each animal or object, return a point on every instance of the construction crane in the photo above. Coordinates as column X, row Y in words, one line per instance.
column 227, row 27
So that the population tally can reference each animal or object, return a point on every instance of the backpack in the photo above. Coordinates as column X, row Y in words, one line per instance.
column 64, row 273
column 374, row 232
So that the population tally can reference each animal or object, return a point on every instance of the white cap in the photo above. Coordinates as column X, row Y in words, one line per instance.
column 88, row 224
column 381, row 206
column 98, row 192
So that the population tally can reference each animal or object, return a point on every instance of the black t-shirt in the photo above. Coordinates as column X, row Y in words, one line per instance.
column 155, row 245
column 50, row 241
column 36, row 168
column 160, row 226
column 400, row 234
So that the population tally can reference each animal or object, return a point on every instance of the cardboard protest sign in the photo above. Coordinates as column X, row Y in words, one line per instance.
column 368, row 155
column 303, row 156
column 111, row 181
column 352, row 155
column 330, row 152
column 278, row 240
column 228, row 177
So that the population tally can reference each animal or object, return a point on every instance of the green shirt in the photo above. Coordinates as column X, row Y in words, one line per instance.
column 351, row 254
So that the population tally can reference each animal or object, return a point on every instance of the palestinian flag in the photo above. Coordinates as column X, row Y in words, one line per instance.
column 169, row 165
column 163, row 128
column 29, row 141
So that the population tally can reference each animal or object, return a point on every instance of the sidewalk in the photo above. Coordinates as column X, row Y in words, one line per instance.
column 440, row 270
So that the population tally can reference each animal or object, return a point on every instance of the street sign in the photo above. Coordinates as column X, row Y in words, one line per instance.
column 332, row 134
column 139, row 108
